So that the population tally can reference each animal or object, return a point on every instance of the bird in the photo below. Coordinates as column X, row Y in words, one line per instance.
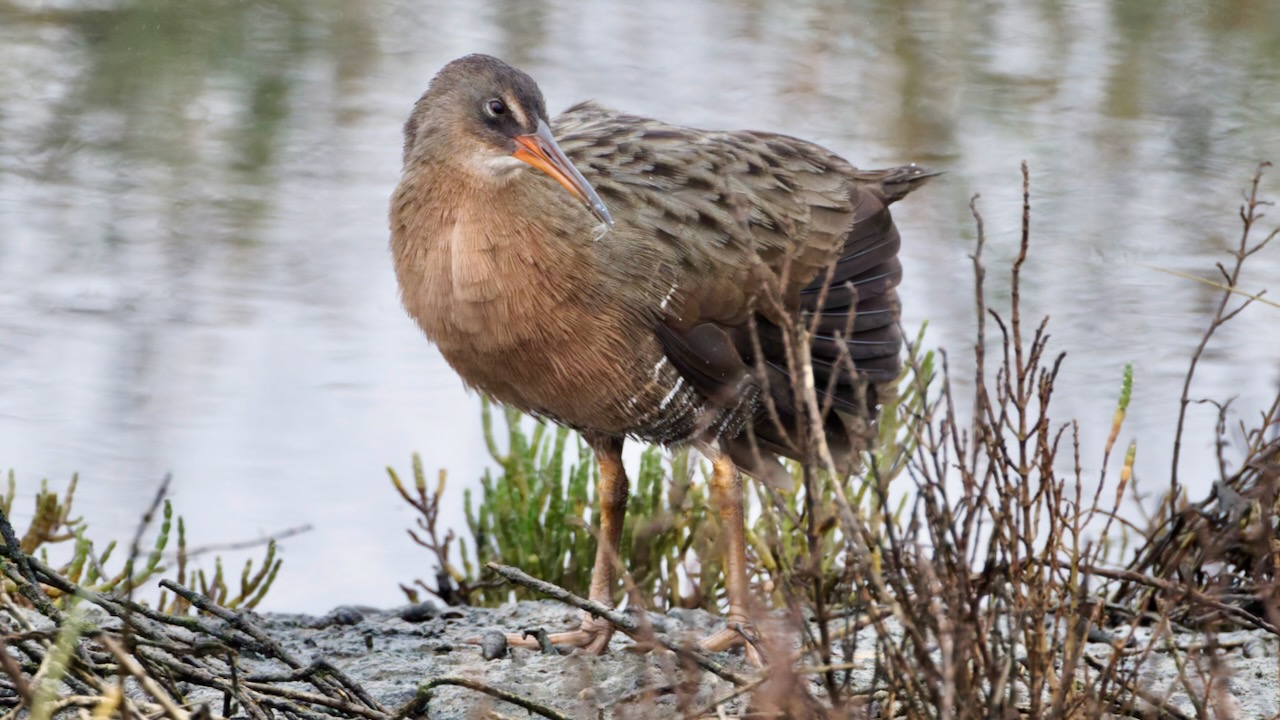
column 634, row 280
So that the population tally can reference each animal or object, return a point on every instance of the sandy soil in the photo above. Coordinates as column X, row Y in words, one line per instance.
column 393, row 652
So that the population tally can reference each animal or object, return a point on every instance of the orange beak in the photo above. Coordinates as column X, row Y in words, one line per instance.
column 540, row 150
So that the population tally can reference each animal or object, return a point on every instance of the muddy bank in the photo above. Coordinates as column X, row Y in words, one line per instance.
column 393, row 652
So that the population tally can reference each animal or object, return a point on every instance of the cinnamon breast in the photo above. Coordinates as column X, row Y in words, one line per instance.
column 527, row 314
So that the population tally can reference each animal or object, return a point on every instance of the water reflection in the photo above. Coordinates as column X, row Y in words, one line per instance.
column 193, row 274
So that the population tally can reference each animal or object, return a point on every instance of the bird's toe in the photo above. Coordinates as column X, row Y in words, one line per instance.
column 591, row 637
column 735, row 634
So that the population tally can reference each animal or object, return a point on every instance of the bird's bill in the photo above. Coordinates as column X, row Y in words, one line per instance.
column 540, row 150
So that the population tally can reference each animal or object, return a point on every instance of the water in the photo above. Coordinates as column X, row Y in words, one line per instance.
column 193, row 266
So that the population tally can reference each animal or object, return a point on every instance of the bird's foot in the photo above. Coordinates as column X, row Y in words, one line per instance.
column 737, row 633
column 591, row 637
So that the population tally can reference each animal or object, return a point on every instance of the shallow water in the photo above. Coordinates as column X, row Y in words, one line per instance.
column 193, row 266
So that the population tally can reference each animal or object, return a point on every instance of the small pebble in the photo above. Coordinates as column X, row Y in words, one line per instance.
column 344, row 615
column 452, row 614
column 1254, row 648
column 1098, row 635
column 420, row 612
column 493, row 645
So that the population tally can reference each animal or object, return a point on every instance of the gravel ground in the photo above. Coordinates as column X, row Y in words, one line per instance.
column 392, row 652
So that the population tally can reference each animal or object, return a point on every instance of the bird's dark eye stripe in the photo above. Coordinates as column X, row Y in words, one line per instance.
column 496, row 107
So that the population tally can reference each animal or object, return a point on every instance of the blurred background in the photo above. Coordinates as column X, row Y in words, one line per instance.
column 194, row 273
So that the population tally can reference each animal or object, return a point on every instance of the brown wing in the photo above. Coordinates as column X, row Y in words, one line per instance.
column 727, row 213
column 719, row 207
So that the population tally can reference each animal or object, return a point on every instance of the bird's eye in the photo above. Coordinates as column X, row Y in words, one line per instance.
column 496, row 108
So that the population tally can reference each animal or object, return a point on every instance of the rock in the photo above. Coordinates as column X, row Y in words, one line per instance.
column 420, row 612
column 1254, row 648
column 493, row 645
column 344, row 615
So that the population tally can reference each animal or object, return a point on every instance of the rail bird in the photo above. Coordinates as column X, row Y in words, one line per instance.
column 629, row 278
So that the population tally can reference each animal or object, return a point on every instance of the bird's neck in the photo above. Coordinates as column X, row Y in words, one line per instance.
column 502, row 195
column 475, row 255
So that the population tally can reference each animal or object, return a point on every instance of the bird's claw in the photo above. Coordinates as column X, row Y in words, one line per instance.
column 591, row 637
column 735, row 634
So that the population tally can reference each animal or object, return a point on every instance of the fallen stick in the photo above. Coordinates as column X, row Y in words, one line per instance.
column 424, row 694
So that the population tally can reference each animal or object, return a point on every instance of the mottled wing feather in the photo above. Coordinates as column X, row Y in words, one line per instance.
column 719, row 203
column 726, row 212
column 705, row 356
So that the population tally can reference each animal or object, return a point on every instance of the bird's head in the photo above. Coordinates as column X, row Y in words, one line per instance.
column 489, row 118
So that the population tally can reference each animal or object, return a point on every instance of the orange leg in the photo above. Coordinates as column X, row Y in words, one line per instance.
column 594, row 633
column 726, row 492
